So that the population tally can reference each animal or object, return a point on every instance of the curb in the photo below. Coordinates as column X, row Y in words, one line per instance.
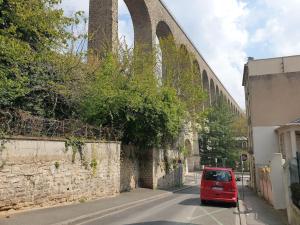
column 242, row 212
column 124, row 206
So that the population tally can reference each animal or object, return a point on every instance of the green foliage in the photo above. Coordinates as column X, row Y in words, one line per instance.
column 240, row 127
column 94, row 165
column 217, row 138
column 184, row 77
column 295, row 189
column 82, row 200
column 184, row 151
column 3, row 141
column 77, row 145
column 149, row 115
column 42, row 73
column 56, row 164
column 33, row 36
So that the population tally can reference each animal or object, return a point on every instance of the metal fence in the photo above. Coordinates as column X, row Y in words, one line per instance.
column 20, row 123
column 294, row 170
column 295, row 179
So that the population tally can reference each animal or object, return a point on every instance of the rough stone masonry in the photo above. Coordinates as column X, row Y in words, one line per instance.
column 41, row 173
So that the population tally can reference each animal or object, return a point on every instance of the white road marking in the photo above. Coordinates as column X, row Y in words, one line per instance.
column 207, row 214
column 150, row 199
column 212, row 217
column 122, row 210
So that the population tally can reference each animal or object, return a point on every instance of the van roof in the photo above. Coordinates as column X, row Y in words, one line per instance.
column 217, row 168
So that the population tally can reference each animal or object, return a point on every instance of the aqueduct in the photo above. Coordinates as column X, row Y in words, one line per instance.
column 151, row 19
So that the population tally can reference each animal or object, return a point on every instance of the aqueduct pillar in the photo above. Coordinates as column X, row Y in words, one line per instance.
column 103, row 25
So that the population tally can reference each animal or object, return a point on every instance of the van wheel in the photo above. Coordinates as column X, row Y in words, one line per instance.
column 234, row 204
column 203, row 202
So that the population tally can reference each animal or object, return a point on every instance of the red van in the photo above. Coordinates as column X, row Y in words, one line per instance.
column 218, row 184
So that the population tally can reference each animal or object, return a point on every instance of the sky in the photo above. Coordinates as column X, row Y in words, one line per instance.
column 226, row 32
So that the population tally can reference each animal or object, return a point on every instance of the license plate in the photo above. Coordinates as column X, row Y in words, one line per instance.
column 217, row 188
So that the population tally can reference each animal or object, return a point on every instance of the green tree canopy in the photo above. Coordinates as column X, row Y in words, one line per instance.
column 41, row 74
column 33, row 36
column 217, row 139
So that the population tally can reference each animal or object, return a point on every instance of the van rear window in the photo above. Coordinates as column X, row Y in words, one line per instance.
column 218, row 175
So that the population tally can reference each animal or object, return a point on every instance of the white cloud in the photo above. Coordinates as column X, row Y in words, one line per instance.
column 72, row 6
column 279, row 32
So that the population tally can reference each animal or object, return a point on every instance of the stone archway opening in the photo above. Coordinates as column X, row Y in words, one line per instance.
column 125, row 25
column 197, row 71
column 165, row 44
column 212, row 92
column 217, row 95
column 205, row 83
column 141, row 23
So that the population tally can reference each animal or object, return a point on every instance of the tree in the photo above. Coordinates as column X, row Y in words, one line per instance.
column 42, row 74
column 125, row 93
column 240, row 127
column 122, row 96
column 217, row 138
column 180, row 74
column 33, row 68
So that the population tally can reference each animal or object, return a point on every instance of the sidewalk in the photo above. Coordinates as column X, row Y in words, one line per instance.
column 256, row 211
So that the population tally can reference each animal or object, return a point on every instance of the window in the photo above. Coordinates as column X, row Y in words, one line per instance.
column 218, row 175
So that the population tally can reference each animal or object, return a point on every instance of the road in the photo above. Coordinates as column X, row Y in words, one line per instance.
column 178, row 209
column 140, row 207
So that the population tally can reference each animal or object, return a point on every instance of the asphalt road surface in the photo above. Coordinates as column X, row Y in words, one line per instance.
column 183, row 208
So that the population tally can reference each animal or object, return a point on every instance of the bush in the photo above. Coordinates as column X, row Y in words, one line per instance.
column 295, row 188
column 148, row 115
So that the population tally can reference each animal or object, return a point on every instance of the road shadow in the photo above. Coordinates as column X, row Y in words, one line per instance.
column 197, row 202
column 161, row 222
column 184, row 189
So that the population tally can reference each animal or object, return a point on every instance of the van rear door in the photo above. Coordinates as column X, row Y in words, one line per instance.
column 216, row 181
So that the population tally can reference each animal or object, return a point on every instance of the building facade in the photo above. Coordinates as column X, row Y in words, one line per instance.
column 272, row 90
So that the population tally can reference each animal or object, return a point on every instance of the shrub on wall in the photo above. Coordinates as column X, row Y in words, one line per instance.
column 295, row 188
column 42, row 73
column 125, row 93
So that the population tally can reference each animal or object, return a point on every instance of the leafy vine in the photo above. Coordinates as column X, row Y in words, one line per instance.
column 77, row 146
column 3, row 141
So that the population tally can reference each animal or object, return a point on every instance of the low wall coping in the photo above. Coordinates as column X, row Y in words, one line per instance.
column 27, row 138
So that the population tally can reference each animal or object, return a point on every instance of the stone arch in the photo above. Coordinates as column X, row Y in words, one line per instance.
column 165, row 37
column 196, row 69
column 217, row 94
column 185, row 59
column 221, row 96
column 212, row 92
column 205, row 85
column 163, row 30
column 185, row 52
column 141, row 22
column 197, row 72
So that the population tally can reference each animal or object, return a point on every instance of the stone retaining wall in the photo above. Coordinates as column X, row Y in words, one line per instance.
column 150, row 171
column 41, row 173
column 129, row 170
